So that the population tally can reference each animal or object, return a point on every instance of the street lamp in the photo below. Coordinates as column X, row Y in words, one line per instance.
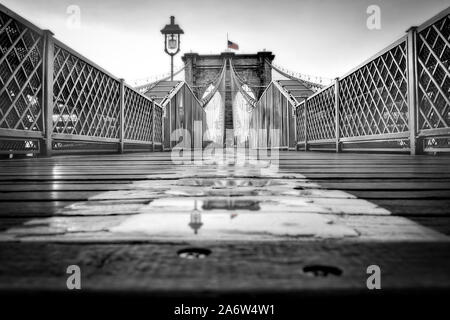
column 196, row 219
column 172, row 34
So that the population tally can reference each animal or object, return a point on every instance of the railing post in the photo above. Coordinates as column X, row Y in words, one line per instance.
column 415, row 144
column 294, row 116
column 163, row 115
column 287, row 129
column 192, row 124
column 153, row 125
column 267, row 119
column 336, row 115
column 166, row 114
column 172, row 119
column 258, row 127
column 47, row 98
column 305, row 122
column 122, row 116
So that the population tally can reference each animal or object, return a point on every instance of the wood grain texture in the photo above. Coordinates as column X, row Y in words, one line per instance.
column 67, row 210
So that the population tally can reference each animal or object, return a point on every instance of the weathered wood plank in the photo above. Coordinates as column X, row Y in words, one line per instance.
column 255, row 267
column 31, row 208
column 402, row 225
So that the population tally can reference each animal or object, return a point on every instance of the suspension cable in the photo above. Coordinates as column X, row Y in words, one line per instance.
column 148, row 86
column 237, row 81
column 216, row 82
column 309, row 84
column 243, row 81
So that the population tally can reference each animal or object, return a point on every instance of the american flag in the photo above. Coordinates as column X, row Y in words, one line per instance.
column 232, row 45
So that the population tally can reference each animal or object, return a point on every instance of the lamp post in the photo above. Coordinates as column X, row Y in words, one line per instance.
column 172, row 35
column 196, row 219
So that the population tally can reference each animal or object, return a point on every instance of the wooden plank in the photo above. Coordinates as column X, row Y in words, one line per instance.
column 415, row 207
column 262, row 266
column 32, row 209
column 439, row 224
column 81, row 200
column 396, row 194
column 47, row 196
column 156, row 176
column 45, row 187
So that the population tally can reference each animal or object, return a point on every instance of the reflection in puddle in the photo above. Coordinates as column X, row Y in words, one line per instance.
column 322, row 270
column 226, row 203
column 228, row 183
column 194, row 253
column 196, row 219
column 231, row 204
column 242, row 226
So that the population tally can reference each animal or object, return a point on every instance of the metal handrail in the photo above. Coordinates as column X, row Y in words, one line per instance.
column 309, row 84
column 148, row 86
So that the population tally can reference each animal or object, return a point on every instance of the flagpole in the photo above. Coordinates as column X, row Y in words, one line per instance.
column 227, row 49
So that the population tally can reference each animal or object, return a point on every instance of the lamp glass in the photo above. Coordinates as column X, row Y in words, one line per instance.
column 172, row 43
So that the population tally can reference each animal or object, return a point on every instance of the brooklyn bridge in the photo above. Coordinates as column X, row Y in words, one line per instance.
column 242, row 178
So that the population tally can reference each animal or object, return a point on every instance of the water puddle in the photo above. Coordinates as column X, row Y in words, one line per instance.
column 211, row 203
column 234, row 226
column 322, row 271
column 194, row 253
column 228, row 183
column 231, row 204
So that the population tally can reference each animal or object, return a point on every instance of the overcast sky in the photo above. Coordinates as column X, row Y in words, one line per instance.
column 319, row 37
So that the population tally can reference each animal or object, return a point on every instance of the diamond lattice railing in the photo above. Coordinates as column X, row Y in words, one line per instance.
column 138, row 117
column 20, row 76
column 19, row 146
column 158, row 124
column 433, row 67
column 86, row 100
column 321, row 115
column 270, row 118
column 373, row 99
column 300, row 125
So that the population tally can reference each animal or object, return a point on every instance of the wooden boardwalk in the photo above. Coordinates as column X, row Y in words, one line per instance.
column 124, row 218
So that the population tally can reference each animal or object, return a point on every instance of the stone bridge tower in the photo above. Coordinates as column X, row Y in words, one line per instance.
column 201, row 70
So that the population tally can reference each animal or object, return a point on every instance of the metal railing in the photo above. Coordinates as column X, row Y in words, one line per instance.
column 21, row 77
column 272, row 120
column 182, row 114
column 55, row 100
column 52, row 99
column 398, row 100
column 143, row 88
column 433, row 81
column 319, row 124
column 315, row 86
